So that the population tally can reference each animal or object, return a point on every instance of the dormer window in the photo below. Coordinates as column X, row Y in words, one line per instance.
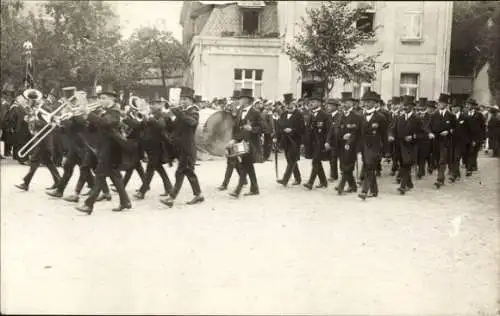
column 250, row 21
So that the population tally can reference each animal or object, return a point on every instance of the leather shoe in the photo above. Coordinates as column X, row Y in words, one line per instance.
column 321, row 186
column 308, row 186
column 333, row 179
column 296, row 183
column 339, row 190
column 103, row 197
column 402, row 191
column 370, row 195
column 84, row 209
column 139, row 196
column 55, row 193
column 122, row 207
column 251, row 193
column 234, row 194
column 351, row 190
column 72, row 198
column 22, row 186
column 280, row 181
column 437, row 184
column 86, row 193
column 468, row 174
column 54, row 186
column 196, row 199
column 222, row 188
column 362, row 196
column 168, row 202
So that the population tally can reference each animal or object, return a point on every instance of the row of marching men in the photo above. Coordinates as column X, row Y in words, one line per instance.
column 105, row 140
column 428, row 134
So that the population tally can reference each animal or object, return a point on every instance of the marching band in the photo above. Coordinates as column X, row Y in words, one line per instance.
column 104, row 139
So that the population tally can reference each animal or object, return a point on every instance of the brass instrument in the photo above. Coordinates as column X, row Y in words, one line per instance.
column 51, row 119
column 138, row 110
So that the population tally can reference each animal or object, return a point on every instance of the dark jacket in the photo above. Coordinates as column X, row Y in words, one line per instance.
column 254, row 119
column 403, row 128
column 477, row 127
column 461, row 136
column 373, row 137
column 184, row 129
column 438, row 124
column 291, row 141
column 319, row 124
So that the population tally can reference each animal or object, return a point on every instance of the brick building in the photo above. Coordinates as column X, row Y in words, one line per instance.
column 235, row 44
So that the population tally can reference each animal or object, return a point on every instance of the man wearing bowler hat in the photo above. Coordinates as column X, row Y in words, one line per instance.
column 477, row 133
column 248, row 127
column 185, row 119
column 441, row 127
column 289, row 131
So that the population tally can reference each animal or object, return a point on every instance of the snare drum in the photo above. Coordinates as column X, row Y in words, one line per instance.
column 238, row 149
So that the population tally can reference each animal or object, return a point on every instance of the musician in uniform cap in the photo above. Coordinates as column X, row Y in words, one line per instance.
column 460, row 140
column 442, row 124
column 232, row 163
column 43, row 152
column 318, row 131
column 333, row 110
column 346, row 142
column 155, row 144
column 185, row 120
column 289, row 132
column 108, row 151
column 248, row 127
column 405, row 133
column 477, row 134
column 19, row 131
column 372, row 142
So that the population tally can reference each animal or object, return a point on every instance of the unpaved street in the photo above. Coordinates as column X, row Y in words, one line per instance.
column 285, row 251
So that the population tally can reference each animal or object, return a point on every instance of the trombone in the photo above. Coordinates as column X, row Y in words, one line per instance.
column 52, row 123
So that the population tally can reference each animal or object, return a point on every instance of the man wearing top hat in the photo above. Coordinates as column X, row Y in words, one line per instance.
column 423, row 144
column 248, row 127
column 232, row 163
column 477, row 134
column 460, row 140
column 394, row 150
column 157, row 149
column 379, row 108
column 8, row 94
column 334, row 112
column 405, row 133
column 372, row 140
column 347, row 142
column 493, row 130
column 108, row 151
column 289, row 131
column 185, row 119
column 442, row 124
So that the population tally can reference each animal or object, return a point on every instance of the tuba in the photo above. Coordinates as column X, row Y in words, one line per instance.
column 139, row 109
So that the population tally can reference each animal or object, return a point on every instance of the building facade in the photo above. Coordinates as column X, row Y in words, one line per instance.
column 237, row 45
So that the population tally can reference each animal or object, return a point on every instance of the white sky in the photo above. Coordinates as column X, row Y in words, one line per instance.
column 164, row 15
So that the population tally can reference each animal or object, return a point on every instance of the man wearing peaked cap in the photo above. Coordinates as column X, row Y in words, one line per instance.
column 441, row 127
column 184, row 122
column 248, row 128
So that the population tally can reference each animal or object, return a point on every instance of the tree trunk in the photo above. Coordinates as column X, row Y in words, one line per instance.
column 163, row 79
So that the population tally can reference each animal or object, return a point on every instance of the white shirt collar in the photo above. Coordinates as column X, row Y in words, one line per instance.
column 335, row 112
column 247, row 108
column 316, row 110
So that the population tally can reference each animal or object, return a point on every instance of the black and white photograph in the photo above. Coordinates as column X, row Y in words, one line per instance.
column 249, row 157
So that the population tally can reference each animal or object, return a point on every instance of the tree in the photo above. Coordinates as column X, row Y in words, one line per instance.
column 493, row 49
column 154, row 48
column 328, row 42
column 468, row 35
column 14, row 30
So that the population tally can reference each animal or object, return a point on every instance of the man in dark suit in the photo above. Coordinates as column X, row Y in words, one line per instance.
column 460, row 140
column 289, row 132
column 423, row 144
column 347, row 142
column 108, row 151
column 319, row 124
column 8, row 94
column 395, row 154
column 153, row 142
column 405, row 132
column 248, row 127
column 441, row 126
column 232, row 163
column 333, row 110
column 379, row 108
column 372, row 142
column 477, row 134
column 185, row 119
column 432, row 162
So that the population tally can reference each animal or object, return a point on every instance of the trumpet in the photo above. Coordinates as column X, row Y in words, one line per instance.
column 52, row 123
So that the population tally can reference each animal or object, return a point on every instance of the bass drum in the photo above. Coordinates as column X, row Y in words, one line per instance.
column 214, row 131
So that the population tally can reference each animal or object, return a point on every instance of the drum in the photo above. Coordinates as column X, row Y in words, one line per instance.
column 238, row 149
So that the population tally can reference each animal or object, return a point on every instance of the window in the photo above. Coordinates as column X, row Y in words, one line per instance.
column 365, row 23
column 408, row 84
column 249, row 79
column 359, row 89
column 412, row 30
column 250, row 22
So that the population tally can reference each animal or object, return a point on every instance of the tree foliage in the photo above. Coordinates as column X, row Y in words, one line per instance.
column 493, row 49
column 328, row 44
column 468, row 36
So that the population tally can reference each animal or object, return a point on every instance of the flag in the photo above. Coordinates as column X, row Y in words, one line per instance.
column 29, row 81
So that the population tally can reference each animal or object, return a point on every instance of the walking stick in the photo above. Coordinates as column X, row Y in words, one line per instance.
column 275, row 145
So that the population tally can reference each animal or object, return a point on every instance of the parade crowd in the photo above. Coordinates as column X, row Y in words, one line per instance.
column 107, row 136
